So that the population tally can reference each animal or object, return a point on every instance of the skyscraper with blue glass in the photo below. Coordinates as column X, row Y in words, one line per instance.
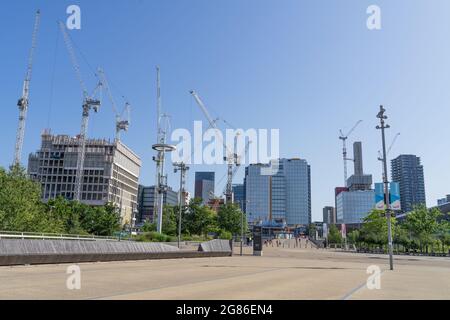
column 281, row 190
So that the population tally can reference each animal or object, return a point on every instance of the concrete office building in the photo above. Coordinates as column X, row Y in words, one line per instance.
column 204, row 186
column 111, row 172
column 281, row 189
column 146, row 202
column 408, row 172
column 329, row 215
column 354, row 202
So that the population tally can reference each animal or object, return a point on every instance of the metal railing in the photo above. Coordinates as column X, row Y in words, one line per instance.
column 56, row 236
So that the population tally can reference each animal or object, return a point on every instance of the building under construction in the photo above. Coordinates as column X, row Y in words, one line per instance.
column 110, row 175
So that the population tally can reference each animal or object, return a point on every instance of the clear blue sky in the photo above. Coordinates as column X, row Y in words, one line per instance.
column 308, row 68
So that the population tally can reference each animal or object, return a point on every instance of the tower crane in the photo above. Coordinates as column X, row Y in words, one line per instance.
column 380, row 156
column 238, row 162
column 89, row 102
column 231, row 157
column 122, row 123
column 344, row 138
column 23, row 102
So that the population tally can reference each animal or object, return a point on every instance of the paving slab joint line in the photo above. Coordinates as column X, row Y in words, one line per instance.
column 179, row 285
column 352, row 292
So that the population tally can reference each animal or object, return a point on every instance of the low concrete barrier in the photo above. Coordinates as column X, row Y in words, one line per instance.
column 21, row 252
column 215, row 246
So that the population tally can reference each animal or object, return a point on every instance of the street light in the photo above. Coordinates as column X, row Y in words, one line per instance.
column 242, row 222
column 161, row 188
column 382, row 127
column 183, row 169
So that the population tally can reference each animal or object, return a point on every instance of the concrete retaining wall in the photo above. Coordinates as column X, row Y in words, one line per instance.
column 215, row 246
column 20, row 252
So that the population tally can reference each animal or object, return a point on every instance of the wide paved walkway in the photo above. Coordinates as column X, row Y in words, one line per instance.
column 282, row 273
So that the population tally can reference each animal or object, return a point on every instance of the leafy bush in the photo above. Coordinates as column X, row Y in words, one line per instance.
column 149, row 227
column 224, row 235
column 154, row 236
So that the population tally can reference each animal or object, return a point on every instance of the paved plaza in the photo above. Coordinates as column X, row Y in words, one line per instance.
column 282, row 273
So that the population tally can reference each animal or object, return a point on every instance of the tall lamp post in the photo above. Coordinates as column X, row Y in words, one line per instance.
column 242, row 222
column 183, row 169
column 381, row 115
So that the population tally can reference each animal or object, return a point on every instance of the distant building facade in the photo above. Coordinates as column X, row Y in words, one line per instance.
column 357, row 199
column 353, row 206
column 111, row 172
column 329, row 215
column 204, row 186
column 239, row 195
column 281, row 189
column 146, row 202
column 407, row 170
column 443, row 201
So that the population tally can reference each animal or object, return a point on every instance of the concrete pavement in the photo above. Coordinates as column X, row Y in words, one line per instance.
column 282, row 273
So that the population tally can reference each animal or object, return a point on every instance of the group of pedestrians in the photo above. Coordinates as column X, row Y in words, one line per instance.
column 287, row 242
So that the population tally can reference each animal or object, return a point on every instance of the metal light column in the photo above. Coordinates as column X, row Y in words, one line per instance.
column 183, row 169
column 162, row 148
column 382, row 127
column 242, row 229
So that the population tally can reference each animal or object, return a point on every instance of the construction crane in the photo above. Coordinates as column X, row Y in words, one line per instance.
column 231, row 157
column 122, row 123
column 89, row 102
column 239, row 162
column 380, row 156
column 344, row 138
column 23, row 101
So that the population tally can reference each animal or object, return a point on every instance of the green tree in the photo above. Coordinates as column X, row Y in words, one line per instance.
column 149, row 227
column 229, row 218
column 354, row 237
column 170, row 223
column 66, row 215
column 21, row 209
column 375, row 228
column 443, row 234
column 20, row 202
column 401, row 237
column 100, row 220
column 225, row 235
column 199, row 219
column 334, row 235
column 423, row 224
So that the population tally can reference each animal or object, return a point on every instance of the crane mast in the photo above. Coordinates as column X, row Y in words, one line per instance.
column 23, row 101
column 88, row 104
column 121, row 124
column 231, row 157
column 344, row 138
column 238, row 164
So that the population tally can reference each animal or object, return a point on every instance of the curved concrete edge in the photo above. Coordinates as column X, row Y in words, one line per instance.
column 34, row 246
column 29, row 252
column 35, row 259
